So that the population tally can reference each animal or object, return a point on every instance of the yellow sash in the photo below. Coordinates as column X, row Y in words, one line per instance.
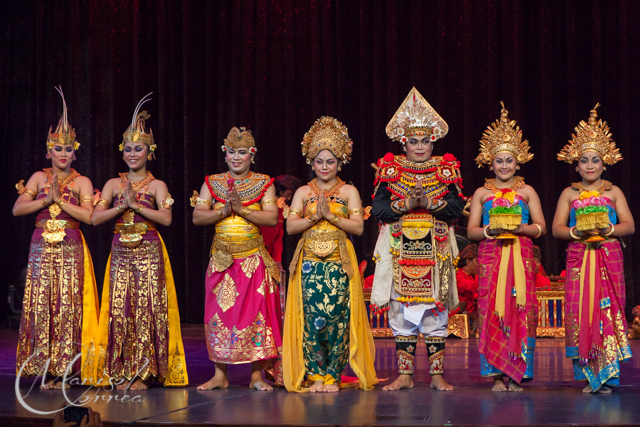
column 177, row 373
column 511, row 246
column 362, row 353
column 89, row 316
column 592, row 281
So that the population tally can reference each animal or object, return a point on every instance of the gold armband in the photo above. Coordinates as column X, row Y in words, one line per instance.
column 358, row 211
column 293, row 211
column 168, row 201
column 86, row 199
column 269, row 202
column 30, row 192
column 104, row 203
column 197, row 200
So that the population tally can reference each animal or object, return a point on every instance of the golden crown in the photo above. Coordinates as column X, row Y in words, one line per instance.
column 136, row 130
column 503, row 135
column 240, row 138
column 591, row 136
column 64, row 133
column 416, row 117
column 330, row 134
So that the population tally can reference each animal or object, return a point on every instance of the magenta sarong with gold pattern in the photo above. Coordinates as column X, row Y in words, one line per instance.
column 507, row 342
column 596, row 328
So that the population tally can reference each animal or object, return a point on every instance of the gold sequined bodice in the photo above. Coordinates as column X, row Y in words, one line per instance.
column 234, row 229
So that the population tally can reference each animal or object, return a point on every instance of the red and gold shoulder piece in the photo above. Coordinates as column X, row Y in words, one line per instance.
column 448, row 171
column 388, row 169
column 250, row 189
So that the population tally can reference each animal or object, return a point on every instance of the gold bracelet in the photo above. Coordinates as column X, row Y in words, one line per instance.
column 358, row 211
column 44, row 202
column 613, row 228
column 573, row 235
column 486, row 235
column 539, row 230
column 139, row 209
column 60, row 202
column 30, row 192
column 295, row 212
column 104, row 203
column 120, row 209
column 311, row 219
column 335, row 219
column 220, row 212
column 246, row 212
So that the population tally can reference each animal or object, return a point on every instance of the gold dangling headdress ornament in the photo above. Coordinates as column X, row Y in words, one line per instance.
column 330, row 134
column 240, row 138
column 416, row 117
column 591, row 136
column 136, row 130
column 64, row 134
column 503, row 135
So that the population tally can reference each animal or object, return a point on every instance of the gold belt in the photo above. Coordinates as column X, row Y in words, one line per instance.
column 53, row 229
column 320, row 241
column 323, row 242
column 222, row 254
column 131, row 233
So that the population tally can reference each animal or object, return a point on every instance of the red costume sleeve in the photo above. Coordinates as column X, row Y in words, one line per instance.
column 465, row 283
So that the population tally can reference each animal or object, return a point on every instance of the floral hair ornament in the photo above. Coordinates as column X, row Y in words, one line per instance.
column 240, row 138
column 593, row 135
column 503, row 135
column 136, row 130
column 330, row 134
column 416, row 118
column 64, row 133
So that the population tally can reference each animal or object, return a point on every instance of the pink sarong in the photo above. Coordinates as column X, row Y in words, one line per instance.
column 507, row 343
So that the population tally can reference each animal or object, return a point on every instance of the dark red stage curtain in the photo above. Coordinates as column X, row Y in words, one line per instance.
column 275, row 66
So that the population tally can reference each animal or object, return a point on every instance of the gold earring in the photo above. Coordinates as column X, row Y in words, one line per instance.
column 48, row 156
column 490, row 168
column 253, row 162
column 339, row 168
column 604, row 168
column 576, row 169
column 149, row 157
column 517, row 168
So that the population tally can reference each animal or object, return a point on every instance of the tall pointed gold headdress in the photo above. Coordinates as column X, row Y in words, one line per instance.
column 503, row 135
column 594, row 136
column 330, row 134
column 240, row 138
column 136, row 130
column 64, row 133
column 416, row 117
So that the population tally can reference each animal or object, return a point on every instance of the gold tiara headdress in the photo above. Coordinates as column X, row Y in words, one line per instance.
column 240, row 138
column 136, row 130
column 330, row 134
column 416, row 117
column 64, row 133
column 503, row 135
column 594, row 136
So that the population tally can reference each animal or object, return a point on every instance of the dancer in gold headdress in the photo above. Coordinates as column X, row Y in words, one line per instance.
column 242, row 314
column 139, row 337
column 500, row 214
column 597, row 215
column 326, row 323
column 60, row 306
column 417, row 197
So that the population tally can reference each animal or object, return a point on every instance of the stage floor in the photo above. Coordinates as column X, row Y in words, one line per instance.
column 553, row 398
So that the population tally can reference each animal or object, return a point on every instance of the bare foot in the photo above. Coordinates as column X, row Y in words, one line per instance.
column 403, row 381
column 602, row 390
column 257, row 382
column 122, row 384
column 331, row 388
column 317, row 387
column 513, row 386
column 438, row 382
column 498, row 384
column 139, row 384
column 217, row 381
column 50, row 385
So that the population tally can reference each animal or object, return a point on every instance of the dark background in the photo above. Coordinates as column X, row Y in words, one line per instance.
column 275, row 66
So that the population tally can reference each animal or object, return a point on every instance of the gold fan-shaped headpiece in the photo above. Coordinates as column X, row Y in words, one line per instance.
column 240, row 138
column 594, row 136
column 330, row 134
column 136, row 130
column 416, row 117
column 64, row 133
column 503, row 135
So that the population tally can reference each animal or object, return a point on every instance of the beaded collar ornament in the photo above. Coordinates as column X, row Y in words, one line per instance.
column 240, row 138
column 503, row 135
column 416, row 118
column 64, row 133
column 330, row 134
column 591, row 136
column 136, row 130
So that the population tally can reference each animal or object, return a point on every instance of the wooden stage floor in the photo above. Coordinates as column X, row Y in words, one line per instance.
column 553, row 398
